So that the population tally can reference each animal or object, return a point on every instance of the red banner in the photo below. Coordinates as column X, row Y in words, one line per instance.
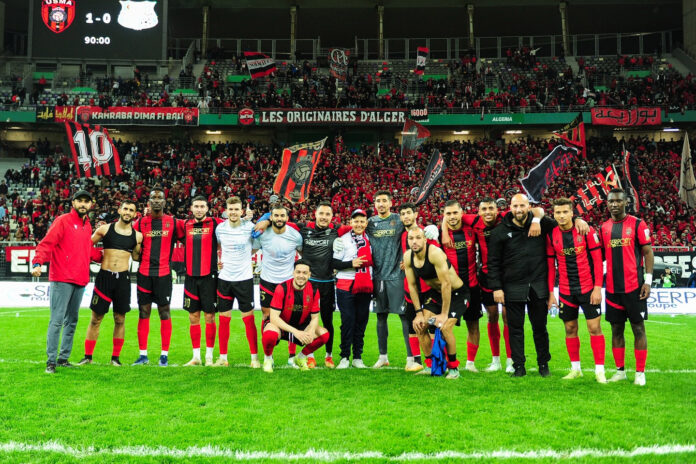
column 632, row 117
column 145, row 116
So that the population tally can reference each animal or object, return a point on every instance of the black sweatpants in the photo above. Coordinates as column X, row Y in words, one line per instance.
column 537, row 311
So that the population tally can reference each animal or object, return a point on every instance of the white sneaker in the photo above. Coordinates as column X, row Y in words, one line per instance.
column 193, row 362
column 601, row 377
column 344, row 364
column 413, row 366
column 640, row 379
column 360, row 364
column 208, row 361
column 381, row 362
column 268, row 365
column 494, row 366
column 255, row 364
column 573, row 374
column 508, row 366
column 291, row 363
column 470, row 366
column 618, row 376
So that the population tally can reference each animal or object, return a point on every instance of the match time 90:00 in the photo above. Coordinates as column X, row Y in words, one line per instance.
column 90, row 18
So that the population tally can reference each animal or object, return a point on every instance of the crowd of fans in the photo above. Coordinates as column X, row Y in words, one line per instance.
column 348, row 177
column 522, row 82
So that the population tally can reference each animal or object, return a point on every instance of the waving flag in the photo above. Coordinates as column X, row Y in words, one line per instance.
column 573, row 134
column 540, row 176
column 259, row 65
column 596, row 190
column 435, row 170
column 92, row 150
column 687, row 183
column 421, row 59
column 297, row 170
column 412, row 137
column 630, row 165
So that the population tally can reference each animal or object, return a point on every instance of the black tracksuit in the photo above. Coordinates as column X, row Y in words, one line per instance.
column 517, row 265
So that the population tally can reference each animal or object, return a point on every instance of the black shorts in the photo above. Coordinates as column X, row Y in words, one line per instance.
column 327, row 295
column 626, row 306
column 287, row 336
column 111, row 287
column 156, row 290
column 487, row 298
column 266, row 289
column 568, row 306
column 459, row 303
column 227, row 292
column 474, row 312
column 199, row 294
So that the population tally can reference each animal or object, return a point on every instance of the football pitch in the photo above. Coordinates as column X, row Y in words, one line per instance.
column 147, row 414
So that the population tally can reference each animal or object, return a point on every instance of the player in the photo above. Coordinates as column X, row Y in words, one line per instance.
column 580, row 273
column 446, row 301
column 235, row 281
column 201, row 247
column 463, row 258
column 627, row 246
column 154, row 282
column 279, row 245
column 112, row 285
column 294, row 317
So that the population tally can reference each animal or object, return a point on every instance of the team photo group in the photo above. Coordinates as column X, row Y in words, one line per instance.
column 501, row 264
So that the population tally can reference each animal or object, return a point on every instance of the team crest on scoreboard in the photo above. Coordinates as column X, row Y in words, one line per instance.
column 58, row 15
column 137, row 15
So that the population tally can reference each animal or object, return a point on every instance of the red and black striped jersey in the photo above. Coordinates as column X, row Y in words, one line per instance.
column 579, row 260
column 463, row 255
column 200, row 243
column 622, row 242
column 483, row 234
column 295, row 306
column 159, row 236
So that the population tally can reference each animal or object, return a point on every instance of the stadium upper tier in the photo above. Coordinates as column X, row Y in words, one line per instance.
column 520, row 82
column 349, row 178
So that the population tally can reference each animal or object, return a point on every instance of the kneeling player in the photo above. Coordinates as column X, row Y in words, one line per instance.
column 294, row 317
column 446, row 302
column 112, row 284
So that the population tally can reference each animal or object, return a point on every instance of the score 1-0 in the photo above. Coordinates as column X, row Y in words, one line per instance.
column 106, row 18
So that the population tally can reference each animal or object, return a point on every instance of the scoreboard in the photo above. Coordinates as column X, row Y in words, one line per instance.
column 98, row 29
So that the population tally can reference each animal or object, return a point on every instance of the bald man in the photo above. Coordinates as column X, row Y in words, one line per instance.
column 517, row 274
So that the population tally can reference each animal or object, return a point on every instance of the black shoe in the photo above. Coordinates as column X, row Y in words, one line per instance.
column 520, row 372
column 85, row 360
column 65, row 363
column 544, row 370
column 115, row 361
column 50, row 368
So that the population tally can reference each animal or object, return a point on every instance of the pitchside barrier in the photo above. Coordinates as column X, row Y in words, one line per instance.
column 33, row 294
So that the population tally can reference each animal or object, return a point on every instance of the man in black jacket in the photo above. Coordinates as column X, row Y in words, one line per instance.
column 517, row 274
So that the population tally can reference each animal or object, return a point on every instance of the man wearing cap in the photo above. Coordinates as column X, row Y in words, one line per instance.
column 68, row 248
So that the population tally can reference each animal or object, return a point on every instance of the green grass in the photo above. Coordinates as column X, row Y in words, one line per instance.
column 390, row 411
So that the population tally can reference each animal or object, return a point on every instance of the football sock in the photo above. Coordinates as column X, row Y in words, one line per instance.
column 494, row 338
column 210, row 337
column 319, row 341
column 619, row 355
column 196, row 353
column 251, row 333
column 382, row 332
column 597, row 343
column 641, row 357
column 415, row 346
column 195, row 333
column 471, row 351
column 506, row 336
column 429, row 361
column 573, row 347
column 143, row 333
column 292, row 349
column 269, row 340
column 224, row 333
column 89, row 348
column 118, row 344
column 166, row 333
column 452, row 362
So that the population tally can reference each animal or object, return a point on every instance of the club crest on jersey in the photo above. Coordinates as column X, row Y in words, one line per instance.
column 58, row 15
column 138, row 15
column 578, row 239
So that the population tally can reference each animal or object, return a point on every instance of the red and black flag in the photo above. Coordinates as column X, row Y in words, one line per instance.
column 630, row 167
column 412, row 137
column 297, row 170
column 421, row 59
column 573, row 134
column 93, row 150
column 596, row 190
column 259, row 65
column 436, row 169
column 543, row 174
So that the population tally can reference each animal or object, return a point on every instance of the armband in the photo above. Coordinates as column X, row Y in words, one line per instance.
column 648, row 279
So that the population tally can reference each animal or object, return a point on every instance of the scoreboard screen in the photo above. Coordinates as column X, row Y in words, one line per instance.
column 100, row 29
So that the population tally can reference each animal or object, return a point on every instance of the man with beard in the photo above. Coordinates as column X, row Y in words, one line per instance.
column 154, row 283
column 112, row 285
column 445, row 302
column 68, row 248
column 627, row 246
column 279, row 245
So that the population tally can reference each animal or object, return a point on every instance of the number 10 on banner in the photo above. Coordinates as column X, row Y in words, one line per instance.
column 93, row 151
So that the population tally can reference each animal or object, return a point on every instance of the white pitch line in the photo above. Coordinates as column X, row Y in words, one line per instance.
column 329, row 456
column 663, row 322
